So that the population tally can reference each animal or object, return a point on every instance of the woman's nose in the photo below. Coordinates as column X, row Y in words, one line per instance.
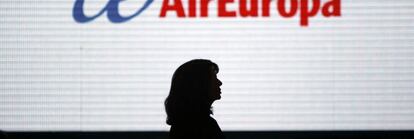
column 219, row 82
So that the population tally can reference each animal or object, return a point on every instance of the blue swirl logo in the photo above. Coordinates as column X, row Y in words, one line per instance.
column 112, row 9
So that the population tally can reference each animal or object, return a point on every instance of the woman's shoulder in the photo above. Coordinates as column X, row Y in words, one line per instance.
column 214, row 129
column 204, row 128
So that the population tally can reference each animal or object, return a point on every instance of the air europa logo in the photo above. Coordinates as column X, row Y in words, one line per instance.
column 246, row 9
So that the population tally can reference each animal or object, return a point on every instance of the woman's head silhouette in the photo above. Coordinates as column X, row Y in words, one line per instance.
column 194, row 88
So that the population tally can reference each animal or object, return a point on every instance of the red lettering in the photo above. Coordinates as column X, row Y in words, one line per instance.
column 177, row 7
column 305, row 14
column 265, row 8
column 336, row 8
column 244, row 12
column 192, row 8
column 204, row 7
column 282, row 10
column 222, row 12
column 249, row 8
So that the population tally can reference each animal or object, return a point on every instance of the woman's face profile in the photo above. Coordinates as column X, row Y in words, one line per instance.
column 215, row 87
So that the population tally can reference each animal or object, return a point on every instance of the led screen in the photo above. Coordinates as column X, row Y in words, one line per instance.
column 59, row 72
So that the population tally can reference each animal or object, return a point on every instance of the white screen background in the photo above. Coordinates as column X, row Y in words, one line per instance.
column 353, row 72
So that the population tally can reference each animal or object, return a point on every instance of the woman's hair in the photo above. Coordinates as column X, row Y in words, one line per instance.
column 190, row 86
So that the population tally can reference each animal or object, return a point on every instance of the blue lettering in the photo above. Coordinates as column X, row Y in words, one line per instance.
column 112, row 9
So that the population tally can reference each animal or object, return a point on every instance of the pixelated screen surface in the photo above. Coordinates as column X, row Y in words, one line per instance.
column 353, row 72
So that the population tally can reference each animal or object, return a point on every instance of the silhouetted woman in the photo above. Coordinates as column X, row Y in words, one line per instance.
column 194, row 88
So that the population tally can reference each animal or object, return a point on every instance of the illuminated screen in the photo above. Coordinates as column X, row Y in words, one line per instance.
column 352, row 72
